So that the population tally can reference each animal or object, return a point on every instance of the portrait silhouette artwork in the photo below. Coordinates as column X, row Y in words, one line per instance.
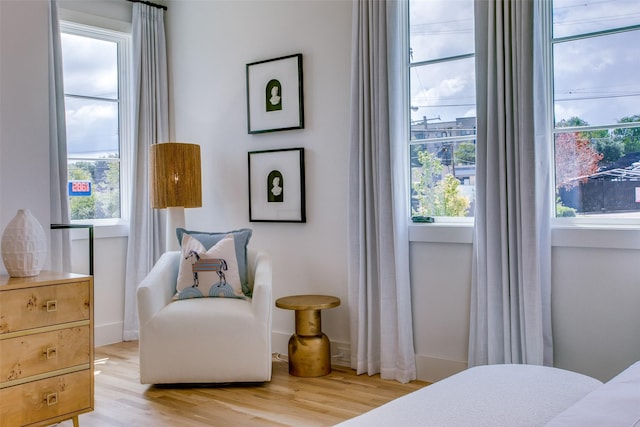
column 275, row 187
column 273, row 95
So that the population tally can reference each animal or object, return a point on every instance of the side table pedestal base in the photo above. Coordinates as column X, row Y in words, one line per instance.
column 309, row 356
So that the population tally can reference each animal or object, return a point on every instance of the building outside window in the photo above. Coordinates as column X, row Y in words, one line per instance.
column 96, row 82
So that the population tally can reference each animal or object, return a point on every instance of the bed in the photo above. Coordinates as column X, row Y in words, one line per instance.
column 514, row 395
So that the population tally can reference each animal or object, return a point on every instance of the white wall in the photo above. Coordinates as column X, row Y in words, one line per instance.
column 210, row 43
column 24, row 112
column 441, row 283
column 595, row 297
column 596, row 300
column 596, row 289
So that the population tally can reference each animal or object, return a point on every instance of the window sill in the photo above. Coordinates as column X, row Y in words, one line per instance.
column 441, row 232
column 596, row 236
column 624, row 236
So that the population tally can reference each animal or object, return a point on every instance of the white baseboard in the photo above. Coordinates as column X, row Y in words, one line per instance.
column 109, row 333
column 432, row 369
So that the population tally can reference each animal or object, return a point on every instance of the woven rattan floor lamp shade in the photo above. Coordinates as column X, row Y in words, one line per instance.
column 176, row 183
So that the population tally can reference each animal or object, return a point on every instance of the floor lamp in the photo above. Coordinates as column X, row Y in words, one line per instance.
column 176, row 183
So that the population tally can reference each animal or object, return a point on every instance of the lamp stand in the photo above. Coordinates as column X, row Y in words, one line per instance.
column 175, row 219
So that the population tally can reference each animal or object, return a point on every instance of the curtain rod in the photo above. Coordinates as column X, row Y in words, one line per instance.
column 148, row 3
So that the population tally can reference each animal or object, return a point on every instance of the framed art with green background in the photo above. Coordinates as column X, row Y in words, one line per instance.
column 274, row 94
column 276, row 185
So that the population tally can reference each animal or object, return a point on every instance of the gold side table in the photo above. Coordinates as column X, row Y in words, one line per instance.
column 309, row 348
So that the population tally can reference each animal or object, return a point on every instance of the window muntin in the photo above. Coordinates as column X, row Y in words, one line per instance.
column 92, row 128
column 90, row 66
column 443, row 91
column 596, row 109
column 442, row 108
column 440, row 29
column 592, row 72
column 96, row 80
column 573, row 17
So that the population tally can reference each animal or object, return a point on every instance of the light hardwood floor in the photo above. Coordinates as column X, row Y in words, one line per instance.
column 120, row 399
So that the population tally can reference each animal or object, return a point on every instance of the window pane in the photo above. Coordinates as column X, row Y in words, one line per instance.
column 90, row 66
column 104, row 200
column 572, row 17
column 443, row 178
column 92, row 128
column 598, row 172
column 594, row 72
column 442, row 108
column 443, row 92
column 440, row 29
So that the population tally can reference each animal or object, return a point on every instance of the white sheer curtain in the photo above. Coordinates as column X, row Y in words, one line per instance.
column 146, row 237
column 379, row 288
column 60, row 244
column 511, row 286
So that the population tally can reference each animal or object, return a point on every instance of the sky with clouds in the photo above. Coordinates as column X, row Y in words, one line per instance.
column 90, row 69
column 588, row 71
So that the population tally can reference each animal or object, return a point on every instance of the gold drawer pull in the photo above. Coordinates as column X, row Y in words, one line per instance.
column 51, row 399
column 51, row 306
column 51, row 352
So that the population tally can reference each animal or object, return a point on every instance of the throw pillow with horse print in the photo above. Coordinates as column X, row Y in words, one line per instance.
column 208, row 273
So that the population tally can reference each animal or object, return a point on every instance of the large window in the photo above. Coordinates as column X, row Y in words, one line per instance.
column 443, row 107
column 96, row 102
column 596, row 93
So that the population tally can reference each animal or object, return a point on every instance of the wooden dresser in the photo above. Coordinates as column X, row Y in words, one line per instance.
column 46, row 348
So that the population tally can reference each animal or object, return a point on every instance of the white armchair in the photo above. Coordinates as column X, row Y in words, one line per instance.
column 204, row 340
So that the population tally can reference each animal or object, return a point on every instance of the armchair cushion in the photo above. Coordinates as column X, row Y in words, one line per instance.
column 209, row 239
column 196, row 281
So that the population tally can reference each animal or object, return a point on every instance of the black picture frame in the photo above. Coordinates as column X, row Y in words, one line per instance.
column 275, row 95
column 277, row 185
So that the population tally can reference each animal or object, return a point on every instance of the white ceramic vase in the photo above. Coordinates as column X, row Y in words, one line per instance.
column 24, row 245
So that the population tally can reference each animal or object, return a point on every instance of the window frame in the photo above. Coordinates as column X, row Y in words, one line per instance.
column 121, row 35
column 590, row 222
column 584, row 221
column 409, row 65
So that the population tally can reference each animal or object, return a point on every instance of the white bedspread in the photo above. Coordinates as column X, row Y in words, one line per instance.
column 492, row 396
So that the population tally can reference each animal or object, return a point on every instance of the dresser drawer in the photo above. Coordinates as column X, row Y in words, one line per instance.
column 29, row 308
column 35, row 354
column 46, row 399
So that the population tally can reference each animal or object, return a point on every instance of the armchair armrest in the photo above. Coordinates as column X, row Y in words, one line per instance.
column 261, row 301
column 158, row 287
